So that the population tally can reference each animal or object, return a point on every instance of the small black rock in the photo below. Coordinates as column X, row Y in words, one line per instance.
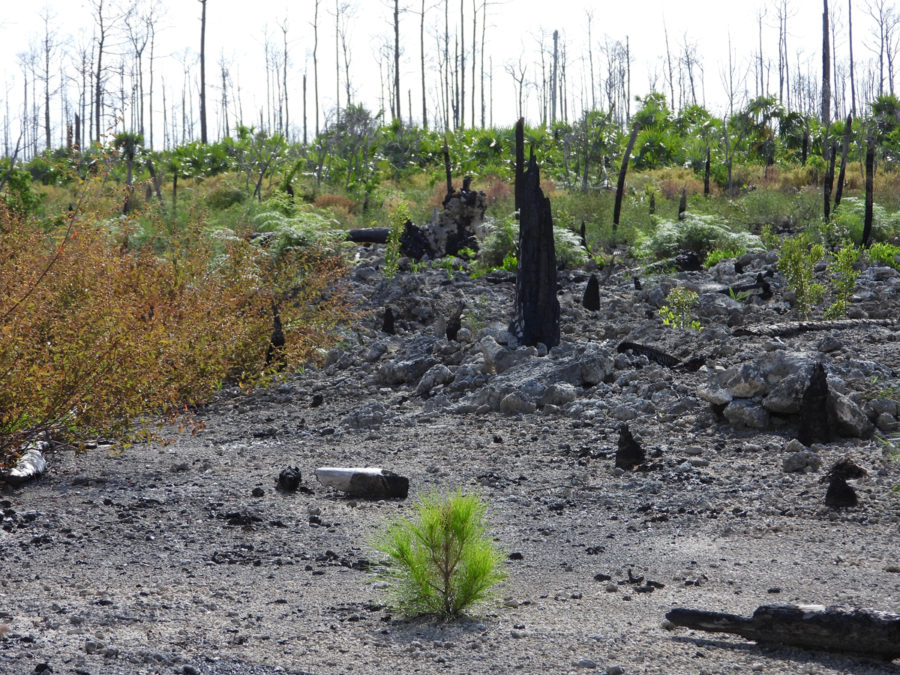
column 516, row 556
column 289, row 479
column 258, row 492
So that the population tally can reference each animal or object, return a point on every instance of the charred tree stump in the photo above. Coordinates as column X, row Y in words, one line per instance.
column 620, row 185
column 536, row 318
column 829, row 178
column 520, row 163
column 870, row 191
column 275, row 350
column 682, row 204
column 447, row 170
column 630, row 454
column 706, row 170
column 591, row 299
column 582, row 233
column 387, row 324
column 864, row 632
column 840, row 494
column 815, row 422
column 845, row 150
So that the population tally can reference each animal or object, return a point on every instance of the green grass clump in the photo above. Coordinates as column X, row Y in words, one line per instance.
column 441, row 561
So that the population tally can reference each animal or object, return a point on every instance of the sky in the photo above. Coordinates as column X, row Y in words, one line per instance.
column 513, row 29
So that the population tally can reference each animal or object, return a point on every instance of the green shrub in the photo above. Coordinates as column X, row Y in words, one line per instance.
column 698, row 233
column 442, row 561
column 306, row 228
column 569, row 250
column 884, row 253
column 501, row 238
column 797, row 263
column 848, row 220
column 844, row 277
column 399, row 217
column 718, row 255
column 676, row 313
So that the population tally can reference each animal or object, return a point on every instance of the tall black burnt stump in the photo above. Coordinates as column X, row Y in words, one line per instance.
column 536, row 316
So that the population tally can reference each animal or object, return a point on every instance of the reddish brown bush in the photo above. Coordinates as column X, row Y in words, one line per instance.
column 96, row 337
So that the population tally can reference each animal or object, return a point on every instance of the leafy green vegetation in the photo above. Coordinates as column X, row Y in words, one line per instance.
column 676, row 313
column 442, row 561
column 797, row 263
column 844, row 279
column 252, row 224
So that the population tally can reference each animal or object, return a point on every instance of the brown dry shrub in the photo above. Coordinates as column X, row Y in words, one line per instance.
column 337, row 202
column 96, row 337
column 496, row 189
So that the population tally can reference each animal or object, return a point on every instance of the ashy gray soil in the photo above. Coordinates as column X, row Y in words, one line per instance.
column 185, row 558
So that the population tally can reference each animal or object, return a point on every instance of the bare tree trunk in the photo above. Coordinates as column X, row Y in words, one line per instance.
column 203, row 136
column 826, row 103
column 316, row 62
column 446, row 65
column 474, row 55
column 422, row 53
column 287, row 120
column 553, row 80
column 669, row 62
column 397, row 60
column 98, row 82
column 852, row 76
column 151, row 26
column 337, row 60
column 48, row 46
column 590, row 18
column 304, row 110
column 481, row 62
column 462, row 64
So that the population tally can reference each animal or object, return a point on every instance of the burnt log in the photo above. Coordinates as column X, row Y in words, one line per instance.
column 864, row 632
column 365, row 482
column 761, row 285
column 691, row 365
column 369, row 235
column 536, row 318
column 798, row 327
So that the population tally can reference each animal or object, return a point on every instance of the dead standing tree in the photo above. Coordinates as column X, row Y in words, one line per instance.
column 536, row 318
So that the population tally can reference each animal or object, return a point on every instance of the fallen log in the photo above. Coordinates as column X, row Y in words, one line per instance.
column 29, row 466
column 864, row 632
column 367, row 482
column 797, row 327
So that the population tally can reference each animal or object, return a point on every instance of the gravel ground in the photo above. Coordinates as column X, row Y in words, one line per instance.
column 184, row 558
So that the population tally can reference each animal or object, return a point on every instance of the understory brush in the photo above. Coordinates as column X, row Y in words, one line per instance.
column 98, row 339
